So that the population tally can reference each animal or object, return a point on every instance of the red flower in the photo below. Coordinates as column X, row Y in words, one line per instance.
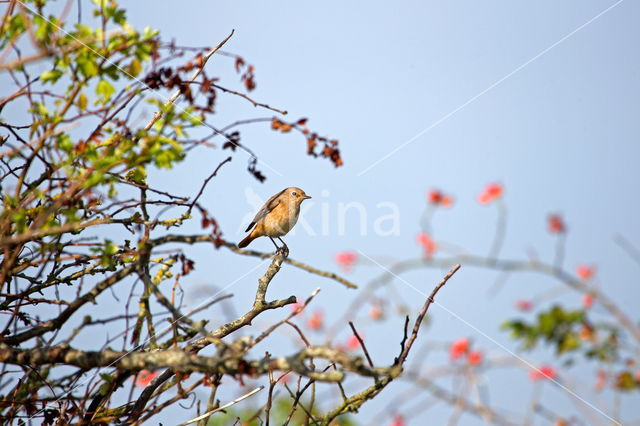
column 524, row 305
column 315, row 320
column 438, row 198
column 346, row 260
column 375, row 312
column 585, row 272
column 285, row 379
column 556, row 224
column 474, row 358
column 587, row 300
column 398, row 420
column 145, row 377
column 459, row 347
column 491, row 192
column 353, row 342
column 427, row 243
column 601, row 380
column 295, row 307
column 544, row 372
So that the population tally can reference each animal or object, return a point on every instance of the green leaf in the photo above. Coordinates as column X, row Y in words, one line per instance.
column 83, row 31
column 569, row 342
column 137, row 175
column 64, row 142
column 625, row 381
column 135, row 67
column 12, row 29
column 39, row 109
column 87, row 66
column 20, row 219
column 82, row 101
column 105, row 90
column 119, row 17
column 50, row 76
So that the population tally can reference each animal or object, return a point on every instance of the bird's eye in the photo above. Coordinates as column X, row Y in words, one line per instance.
column 294, row 193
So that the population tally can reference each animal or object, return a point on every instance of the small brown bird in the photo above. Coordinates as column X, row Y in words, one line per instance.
column 277, row 217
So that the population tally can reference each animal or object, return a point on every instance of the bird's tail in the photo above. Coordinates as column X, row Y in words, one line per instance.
column 245, row 242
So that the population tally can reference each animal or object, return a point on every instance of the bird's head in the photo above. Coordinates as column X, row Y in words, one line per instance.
column 296, row 194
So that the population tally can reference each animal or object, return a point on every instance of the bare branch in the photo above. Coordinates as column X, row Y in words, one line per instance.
column 235, row 401
column 355, row 401
column 422, row 313
column 364, row 348
column 195, row 75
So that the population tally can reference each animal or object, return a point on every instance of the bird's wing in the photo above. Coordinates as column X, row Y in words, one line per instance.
column 265, row 210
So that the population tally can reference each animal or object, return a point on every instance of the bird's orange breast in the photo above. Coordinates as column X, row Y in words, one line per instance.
column 279, row 221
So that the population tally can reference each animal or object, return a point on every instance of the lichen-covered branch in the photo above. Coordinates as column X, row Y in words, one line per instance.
column 179, row 360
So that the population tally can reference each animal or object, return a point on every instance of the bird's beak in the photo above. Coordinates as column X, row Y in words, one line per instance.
column 306, row 197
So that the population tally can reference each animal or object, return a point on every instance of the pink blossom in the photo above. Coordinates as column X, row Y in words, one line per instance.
column 427, row 243
column 285, row 378
column 474, row 358
column 145, row 377
column 438, row 198
column 587, row 300
column 459, row 347
column 353, row 342
column 295, row 306
column 524, row 305
column 491, row 192
column 585, row 272
column 601, row 379
column 556, row 224
column 544, row 372
column 375, row 312
column 315, row 321
column 346, row 260
column 398, row 420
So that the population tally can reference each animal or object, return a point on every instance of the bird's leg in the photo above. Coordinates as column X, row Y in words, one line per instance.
column 284, row 247
column 274, row 243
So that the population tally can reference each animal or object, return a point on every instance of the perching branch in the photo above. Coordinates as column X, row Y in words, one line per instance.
column 260, row 305
column 207, row 238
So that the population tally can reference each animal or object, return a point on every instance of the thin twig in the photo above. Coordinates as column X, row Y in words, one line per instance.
column 364, row 348
column 271, row 329
column 255, row 104
column 422, row 313
column 195, row 75
column 404, row 336
column 206, row 181
column 235, row 401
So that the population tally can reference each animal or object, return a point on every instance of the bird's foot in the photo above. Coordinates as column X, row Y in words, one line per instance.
column 284, row 250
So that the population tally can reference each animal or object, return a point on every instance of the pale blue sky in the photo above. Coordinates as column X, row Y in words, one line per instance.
column 561, row 134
